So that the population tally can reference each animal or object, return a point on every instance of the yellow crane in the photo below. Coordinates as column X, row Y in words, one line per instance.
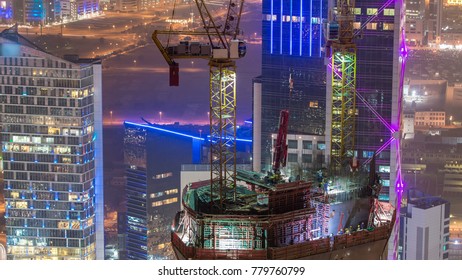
column 221, row 50
column 343, row 65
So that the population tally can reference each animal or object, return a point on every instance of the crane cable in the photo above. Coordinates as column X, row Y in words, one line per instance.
column 171, row 23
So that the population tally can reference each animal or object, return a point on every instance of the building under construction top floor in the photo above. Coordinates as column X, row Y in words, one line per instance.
column 263, row 219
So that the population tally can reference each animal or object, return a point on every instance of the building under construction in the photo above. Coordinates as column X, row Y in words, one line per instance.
column 261, row 219
column 249, row 215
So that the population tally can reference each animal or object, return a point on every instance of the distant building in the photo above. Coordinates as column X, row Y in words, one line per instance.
column 455, row 238
column 430, row 119
column 424, row 228
column 52, row 152
column 126, row 5
column 6, row 11
column 19, row 11
column 65, row 10
column 122, row 235
column 424, row 21
column 452, row 184
column 87, row 8
column 408, row 125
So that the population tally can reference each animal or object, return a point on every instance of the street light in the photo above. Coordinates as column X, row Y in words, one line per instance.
column 160, row 117
column 111, row 117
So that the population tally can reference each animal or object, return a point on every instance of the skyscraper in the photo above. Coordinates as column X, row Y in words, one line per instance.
column 154, row 155
column 293, row 72
column 51, row 118
column 294, row 76
column 424, row 230
column 153, row 190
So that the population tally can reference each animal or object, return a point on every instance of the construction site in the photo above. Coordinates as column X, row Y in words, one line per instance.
column 295, row 220
column 336, row 214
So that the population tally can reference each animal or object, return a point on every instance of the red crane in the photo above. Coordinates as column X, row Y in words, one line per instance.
column 280, row 149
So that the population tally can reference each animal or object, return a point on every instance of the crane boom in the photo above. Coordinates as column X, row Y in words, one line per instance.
column 280, row 149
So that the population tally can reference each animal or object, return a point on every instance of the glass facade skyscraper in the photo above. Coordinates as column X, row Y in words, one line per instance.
column 294, row 76
column 375, row 82
column 50, row 110
column 293, row 73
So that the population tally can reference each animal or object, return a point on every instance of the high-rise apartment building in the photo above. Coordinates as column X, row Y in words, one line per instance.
column 51, row 117
column 6, row 11
column 152, row 189
column 424, row 228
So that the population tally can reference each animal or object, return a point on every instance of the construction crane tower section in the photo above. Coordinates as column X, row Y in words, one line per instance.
column 221, row 50
column 343, row 61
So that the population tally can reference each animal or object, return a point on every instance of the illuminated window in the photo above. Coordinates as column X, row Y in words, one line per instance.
column 384, row 168
column 388, row 26
column 371, row 26
column 368, row 154
column 73, row 197
column 356, row 25
column 165, row 202
column 321, row 145
column 172, row 191
column 371, row 11
column 315, row 20
column 21, row 139
column 389, row 12
column 21, row 204
column 314, row 104
column 164, row 175
column 357, row 11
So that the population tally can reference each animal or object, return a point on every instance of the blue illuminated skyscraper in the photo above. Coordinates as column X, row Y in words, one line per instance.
column 293, row 72
column 51, row 114
column 294, row 76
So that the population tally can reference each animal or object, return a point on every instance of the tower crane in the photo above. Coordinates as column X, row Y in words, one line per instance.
column 340, row 42
column 341, row 50
column 222, row 50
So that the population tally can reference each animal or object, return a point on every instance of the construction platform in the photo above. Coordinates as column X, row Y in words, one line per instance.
column 260, row 219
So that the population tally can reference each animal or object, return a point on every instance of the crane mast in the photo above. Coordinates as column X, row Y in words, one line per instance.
column 343, row 66
column 221, row 51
